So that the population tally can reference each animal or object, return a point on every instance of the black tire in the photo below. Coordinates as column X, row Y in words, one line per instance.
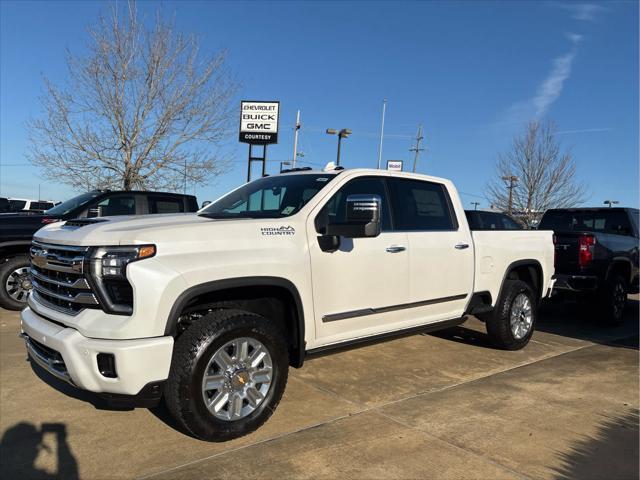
column 612, row 301
column 191, row 354
column 6, row 269
column 499, row 321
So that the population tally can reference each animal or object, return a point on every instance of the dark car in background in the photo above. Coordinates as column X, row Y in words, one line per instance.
column 17, row 229
column 483, row 220
column 596, row 256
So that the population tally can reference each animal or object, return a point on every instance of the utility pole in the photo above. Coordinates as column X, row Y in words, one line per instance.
column 384, row 111
column 416, row 148
column 512, row 179
column 295, row 139
column 475, row 205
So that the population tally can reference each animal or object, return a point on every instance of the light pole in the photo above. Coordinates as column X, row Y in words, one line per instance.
column 611, row 202
column 344, row 133
column 475, row 205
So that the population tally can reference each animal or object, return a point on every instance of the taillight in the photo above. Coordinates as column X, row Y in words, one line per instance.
column 585, row 252
column 46, row 220
column 555, row 251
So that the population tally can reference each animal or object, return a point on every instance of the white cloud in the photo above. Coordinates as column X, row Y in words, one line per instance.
column 550, row 88
column 574, row 38
column 584, row 12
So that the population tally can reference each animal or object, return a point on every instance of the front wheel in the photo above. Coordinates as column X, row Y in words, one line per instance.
column 511, row 324
column 228, row 373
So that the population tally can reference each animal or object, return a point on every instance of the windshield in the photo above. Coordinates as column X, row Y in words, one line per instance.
column 269, row 197
column 72, row 203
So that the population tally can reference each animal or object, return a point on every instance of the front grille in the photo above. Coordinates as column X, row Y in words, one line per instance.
column 59, row 278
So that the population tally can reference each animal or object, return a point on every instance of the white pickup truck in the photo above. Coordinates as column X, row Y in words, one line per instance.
column 209, row 310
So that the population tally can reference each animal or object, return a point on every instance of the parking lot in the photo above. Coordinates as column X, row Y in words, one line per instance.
column 442, row 405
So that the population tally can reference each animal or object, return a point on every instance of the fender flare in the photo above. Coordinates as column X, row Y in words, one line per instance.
column 228, row 283
column 532, row 262
column 618, row 261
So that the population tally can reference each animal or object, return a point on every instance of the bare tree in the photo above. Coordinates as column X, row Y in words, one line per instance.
column 545, row 175
column 140, row 110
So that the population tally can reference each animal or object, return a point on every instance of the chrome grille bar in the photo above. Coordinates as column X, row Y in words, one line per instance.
column 83, row 297
column 81, row 282
column 58, row 278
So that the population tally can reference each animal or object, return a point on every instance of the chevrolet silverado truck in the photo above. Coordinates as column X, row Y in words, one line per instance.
column 208, row 311
column 596, row 257
column 17, row 229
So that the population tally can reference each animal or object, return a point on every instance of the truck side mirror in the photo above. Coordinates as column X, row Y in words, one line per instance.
column 362, row 218
column 205, row 203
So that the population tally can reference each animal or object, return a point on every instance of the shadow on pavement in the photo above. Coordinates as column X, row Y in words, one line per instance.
column 611, row 453
column 21, row 445
column 571, row 319
column 565, row 319
column 98, row 402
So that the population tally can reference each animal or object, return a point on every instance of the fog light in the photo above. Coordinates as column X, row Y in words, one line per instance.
column 107, row 365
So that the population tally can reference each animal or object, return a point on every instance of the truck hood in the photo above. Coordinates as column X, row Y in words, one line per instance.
column 139, row 229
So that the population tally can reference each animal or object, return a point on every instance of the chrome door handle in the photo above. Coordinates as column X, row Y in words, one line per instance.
column 396, row 249
column 462, row 246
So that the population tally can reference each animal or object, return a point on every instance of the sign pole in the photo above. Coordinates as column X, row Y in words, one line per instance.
column 259, row 123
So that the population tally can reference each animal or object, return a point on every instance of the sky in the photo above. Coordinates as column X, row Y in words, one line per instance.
column 472, row 73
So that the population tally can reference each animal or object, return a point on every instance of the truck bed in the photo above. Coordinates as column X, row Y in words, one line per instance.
column 496, row 250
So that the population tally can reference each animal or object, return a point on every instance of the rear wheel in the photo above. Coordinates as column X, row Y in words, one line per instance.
column 512, row 322
column 15, row 282
column 228, row 373
column 613, row 300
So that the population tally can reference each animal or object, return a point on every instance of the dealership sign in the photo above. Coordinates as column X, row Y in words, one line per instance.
column 394, row 165
column 259, row 122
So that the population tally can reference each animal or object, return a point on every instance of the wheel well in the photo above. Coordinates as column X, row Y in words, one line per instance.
column 276, row 303
column 530, row 273
column 7, row 251
column 621, row 267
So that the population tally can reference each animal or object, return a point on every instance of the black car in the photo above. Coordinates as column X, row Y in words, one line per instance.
column 17, row 229
column 483, row 220
column 596, row 255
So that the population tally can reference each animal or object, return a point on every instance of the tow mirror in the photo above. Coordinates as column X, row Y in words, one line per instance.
column 362, row 218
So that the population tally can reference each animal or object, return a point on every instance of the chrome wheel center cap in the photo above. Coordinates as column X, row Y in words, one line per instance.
column 239, row 379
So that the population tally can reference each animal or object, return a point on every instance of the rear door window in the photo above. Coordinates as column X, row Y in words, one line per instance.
column 113, row 206
column 419, row 205
column 165, row 205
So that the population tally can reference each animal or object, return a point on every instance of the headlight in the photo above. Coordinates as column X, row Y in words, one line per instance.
column 108, row 269
column 112, row 261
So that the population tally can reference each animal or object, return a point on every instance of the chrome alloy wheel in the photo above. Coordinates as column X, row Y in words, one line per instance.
column 18, row 284
column 237, row 378
column 521, row 317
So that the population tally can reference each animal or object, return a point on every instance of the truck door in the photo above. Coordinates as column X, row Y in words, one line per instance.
column 441, row 263
column 359, row 289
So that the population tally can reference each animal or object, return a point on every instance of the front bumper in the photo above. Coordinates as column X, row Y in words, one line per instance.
column 575, row 283
column 68, row 355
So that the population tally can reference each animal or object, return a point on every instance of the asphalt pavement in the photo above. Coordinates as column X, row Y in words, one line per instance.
column 443, row 405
